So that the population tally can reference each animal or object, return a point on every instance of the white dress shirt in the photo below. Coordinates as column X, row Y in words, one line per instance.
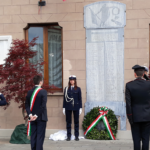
column 72, row 87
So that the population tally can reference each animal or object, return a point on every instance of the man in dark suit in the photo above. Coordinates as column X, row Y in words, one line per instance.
column 38, row 115
column 137, row 96
column 2, row 100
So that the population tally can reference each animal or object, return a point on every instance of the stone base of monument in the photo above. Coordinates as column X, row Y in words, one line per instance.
column 119, row 109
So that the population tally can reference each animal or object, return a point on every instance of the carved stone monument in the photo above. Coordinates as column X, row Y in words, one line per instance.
column 104, row 23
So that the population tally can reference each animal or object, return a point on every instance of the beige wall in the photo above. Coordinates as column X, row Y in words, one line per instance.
column 14, row 16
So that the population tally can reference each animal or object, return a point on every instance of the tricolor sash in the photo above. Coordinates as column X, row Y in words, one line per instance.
column 32, row 100
column 103, row 112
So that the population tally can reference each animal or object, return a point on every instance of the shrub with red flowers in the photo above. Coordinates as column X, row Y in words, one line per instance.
column 16, row 74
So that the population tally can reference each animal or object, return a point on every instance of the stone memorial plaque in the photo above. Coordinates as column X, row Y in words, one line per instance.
column 93, row 65
column 105, row 56
column 104, row 23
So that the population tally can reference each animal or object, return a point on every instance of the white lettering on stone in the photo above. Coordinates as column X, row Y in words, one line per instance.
column 95, row 65
column 104, row 37
column 114, row 66
column 105, row 67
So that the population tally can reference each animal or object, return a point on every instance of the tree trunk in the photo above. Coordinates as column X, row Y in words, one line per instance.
column 23, row 113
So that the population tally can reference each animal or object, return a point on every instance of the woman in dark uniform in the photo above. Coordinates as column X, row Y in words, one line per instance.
column 72, row 103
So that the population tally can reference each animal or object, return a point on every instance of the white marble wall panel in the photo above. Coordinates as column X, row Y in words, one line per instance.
column 105, row 64
column 104, row 23
column 94, row 66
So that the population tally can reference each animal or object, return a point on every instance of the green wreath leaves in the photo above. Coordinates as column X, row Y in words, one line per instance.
column 96, row 134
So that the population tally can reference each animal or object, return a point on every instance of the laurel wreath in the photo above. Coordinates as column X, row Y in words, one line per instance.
column 97, row 134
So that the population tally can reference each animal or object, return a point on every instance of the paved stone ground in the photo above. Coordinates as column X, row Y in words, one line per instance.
column 72, row 145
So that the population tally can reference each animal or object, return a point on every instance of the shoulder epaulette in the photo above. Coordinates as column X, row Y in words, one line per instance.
column 130, row 81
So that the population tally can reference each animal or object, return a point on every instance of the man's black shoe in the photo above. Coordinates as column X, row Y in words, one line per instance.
column 76, row 139
column 68, row 139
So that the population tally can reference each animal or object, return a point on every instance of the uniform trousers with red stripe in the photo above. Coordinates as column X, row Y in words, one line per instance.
column 140, row 132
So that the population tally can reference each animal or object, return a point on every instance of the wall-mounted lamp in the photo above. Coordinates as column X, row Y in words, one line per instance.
column 42, row 3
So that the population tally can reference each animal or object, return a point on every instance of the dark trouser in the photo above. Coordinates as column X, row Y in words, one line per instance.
column 141, row 131
column 37, row 134
column 69, row 121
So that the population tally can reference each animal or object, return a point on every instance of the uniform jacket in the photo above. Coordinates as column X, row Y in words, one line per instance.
column 2, row 100
column 137, row 96
column 76, row 95
column 39, row 107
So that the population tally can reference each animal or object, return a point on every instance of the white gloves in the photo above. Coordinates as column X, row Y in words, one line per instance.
column 80, row 111
column 64, row 111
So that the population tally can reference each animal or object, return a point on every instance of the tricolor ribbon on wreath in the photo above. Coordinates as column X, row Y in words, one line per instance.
column 32, row 100
column 103, row 113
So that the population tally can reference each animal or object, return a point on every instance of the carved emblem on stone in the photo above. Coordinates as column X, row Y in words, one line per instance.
column 105, row 14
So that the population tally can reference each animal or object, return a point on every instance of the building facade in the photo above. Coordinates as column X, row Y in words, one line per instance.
column 61, row 23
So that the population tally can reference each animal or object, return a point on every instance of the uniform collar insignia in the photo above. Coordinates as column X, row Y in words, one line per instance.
column 139, row 78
